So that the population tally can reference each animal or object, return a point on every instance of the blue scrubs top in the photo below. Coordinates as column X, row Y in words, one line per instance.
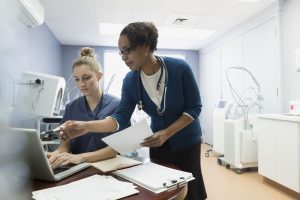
column 79, row 110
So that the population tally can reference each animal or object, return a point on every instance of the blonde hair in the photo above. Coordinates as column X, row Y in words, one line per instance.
column 87, row 57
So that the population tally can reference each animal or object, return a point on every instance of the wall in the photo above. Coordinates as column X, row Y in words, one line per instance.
column 13, row 55
column 290, row 32
column 286, row 17
column 253, row 45
column 23, row 49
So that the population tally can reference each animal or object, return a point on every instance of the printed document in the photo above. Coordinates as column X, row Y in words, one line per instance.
column 129, row 139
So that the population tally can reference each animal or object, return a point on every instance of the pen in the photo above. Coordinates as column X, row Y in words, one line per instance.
column 56, row 130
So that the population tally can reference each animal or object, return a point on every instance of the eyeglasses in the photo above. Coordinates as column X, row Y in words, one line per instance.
column 126, row 51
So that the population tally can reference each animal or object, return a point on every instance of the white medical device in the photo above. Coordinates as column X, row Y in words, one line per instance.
column 39, row 94
column 240, row 145
column 220, row 113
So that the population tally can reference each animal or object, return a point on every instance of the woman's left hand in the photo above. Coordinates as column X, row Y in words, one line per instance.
column 156, row 140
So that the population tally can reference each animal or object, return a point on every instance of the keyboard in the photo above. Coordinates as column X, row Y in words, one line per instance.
column 63, row 168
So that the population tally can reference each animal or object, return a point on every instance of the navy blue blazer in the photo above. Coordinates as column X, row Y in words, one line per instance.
column 182, row 96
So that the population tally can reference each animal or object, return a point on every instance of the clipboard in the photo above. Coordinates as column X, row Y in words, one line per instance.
column 154, row 177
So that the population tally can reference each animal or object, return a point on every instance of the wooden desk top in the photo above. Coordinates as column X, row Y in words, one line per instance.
column 175, row 194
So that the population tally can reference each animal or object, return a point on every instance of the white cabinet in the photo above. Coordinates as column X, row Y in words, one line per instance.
column 278, row 149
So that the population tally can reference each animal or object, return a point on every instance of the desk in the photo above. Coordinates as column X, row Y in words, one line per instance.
column 175, row 194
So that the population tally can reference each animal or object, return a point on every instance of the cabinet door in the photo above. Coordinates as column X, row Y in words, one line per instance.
column 266, row 148
column 287, row 154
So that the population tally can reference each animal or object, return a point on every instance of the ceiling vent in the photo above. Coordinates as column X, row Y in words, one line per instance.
column 180, row 21
column 32, row 12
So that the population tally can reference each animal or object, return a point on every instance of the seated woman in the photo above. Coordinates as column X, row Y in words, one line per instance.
column 93, row 105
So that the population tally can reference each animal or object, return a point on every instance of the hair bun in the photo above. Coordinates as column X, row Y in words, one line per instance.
column 87, row 51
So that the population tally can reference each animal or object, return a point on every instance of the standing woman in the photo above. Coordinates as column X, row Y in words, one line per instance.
column 93, row 105
column 166, row 90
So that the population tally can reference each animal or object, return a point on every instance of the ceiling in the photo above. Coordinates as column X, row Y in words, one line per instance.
column 75, row 22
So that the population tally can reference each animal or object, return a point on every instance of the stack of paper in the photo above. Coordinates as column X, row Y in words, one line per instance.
column 154, row 177
column 94, row 187
column 112, row 164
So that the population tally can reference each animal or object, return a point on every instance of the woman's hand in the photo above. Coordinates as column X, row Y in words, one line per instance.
column 52, row 156
column 59, row 159
column 72, row 129
column 156, row 140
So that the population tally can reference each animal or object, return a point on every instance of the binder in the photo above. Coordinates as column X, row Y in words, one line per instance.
column 154, row 177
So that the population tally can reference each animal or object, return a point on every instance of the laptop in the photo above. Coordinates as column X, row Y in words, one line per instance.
column 37, row 160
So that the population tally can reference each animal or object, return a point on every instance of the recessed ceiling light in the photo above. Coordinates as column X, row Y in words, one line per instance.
column 110, row 29
column 180, row 21
column 178, row 33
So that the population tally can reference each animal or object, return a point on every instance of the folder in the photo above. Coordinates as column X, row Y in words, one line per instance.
column 119, row 162
column 154, row 177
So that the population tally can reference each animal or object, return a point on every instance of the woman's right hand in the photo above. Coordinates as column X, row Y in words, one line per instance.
column 72, row 129
column 60, row 159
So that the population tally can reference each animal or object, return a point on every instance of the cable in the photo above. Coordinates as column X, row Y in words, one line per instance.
column 36, row 97
column 244, row 104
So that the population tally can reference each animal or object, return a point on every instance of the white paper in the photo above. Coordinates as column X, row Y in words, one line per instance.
column 129, row 139
column 94, row 187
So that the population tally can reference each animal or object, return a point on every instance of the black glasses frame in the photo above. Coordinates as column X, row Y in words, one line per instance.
column 126, row 51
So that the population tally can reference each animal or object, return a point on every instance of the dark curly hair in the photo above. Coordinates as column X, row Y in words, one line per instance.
column 141, row 33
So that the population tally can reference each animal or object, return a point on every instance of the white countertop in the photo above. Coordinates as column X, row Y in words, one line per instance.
column 280, row 116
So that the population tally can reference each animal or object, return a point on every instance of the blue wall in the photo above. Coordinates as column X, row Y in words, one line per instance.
column 34, row 49
column 44, row 52
column 23, row 49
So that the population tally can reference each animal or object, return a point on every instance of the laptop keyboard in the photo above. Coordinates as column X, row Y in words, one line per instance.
column 63, row 168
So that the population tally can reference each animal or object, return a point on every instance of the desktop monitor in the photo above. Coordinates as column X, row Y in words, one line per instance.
column 222, row 104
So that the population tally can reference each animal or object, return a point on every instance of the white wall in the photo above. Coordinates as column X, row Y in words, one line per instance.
column 254, row 45
column 210, row 87
column 290, row 31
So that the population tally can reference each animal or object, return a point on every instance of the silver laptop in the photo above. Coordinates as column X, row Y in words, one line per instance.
column 37, row 160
